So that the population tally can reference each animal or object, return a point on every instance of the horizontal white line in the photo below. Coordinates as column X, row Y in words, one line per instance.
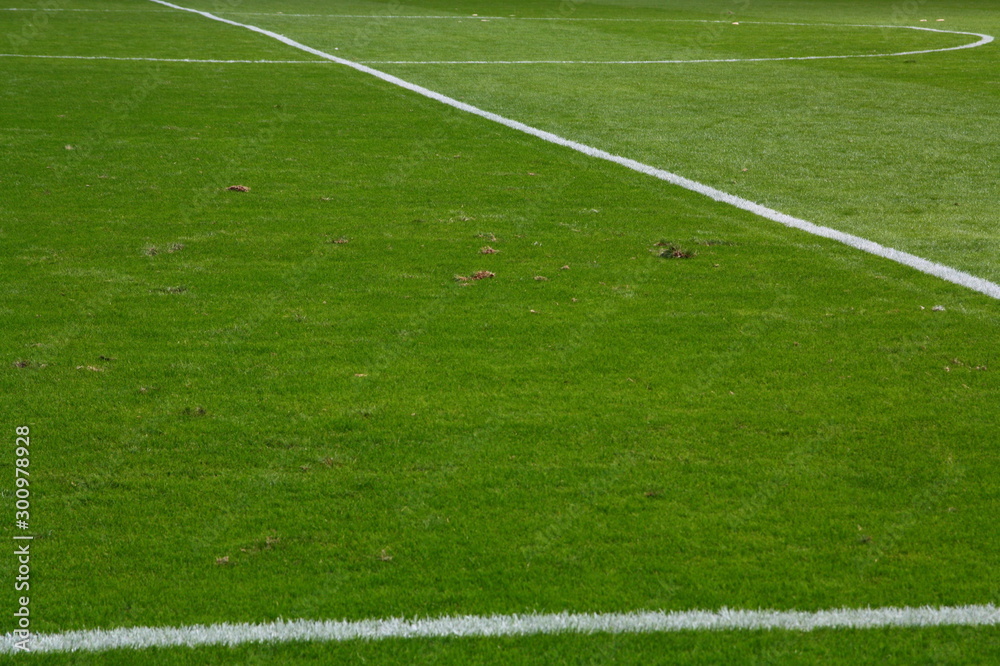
column 138, row 638
column 371, row 17
column 470, row 17
column 149, row 10
column 947, row 273
column 77, row 57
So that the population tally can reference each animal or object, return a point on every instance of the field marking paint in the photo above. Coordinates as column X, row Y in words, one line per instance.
column 373, row 16
column 78, row 57
column 138, row 638
column 947, row 273
column 66, row 9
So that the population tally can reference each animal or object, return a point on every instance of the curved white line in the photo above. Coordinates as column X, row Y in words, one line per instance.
column 138, row 638
column 982, row 41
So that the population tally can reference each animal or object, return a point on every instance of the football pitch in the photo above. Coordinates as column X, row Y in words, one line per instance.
column 500, row 331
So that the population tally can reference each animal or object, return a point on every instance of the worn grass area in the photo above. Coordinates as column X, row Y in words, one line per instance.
column 281, row 402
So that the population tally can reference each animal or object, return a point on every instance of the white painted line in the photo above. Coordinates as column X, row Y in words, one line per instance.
column 932, row 268
column 374, row 16
column 138, row 638
column 77, row 57
column 66, row 9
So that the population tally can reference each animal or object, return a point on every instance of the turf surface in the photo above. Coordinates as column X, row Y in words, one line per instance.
column 281, row 402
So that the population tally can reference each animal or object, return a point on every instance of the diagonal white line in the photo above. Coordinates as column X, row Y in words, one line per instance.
column 924, row 265
column 138, row 638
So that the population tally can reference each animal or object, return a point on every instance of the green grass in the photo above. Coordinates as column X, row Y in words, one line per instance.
column 777, row 422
